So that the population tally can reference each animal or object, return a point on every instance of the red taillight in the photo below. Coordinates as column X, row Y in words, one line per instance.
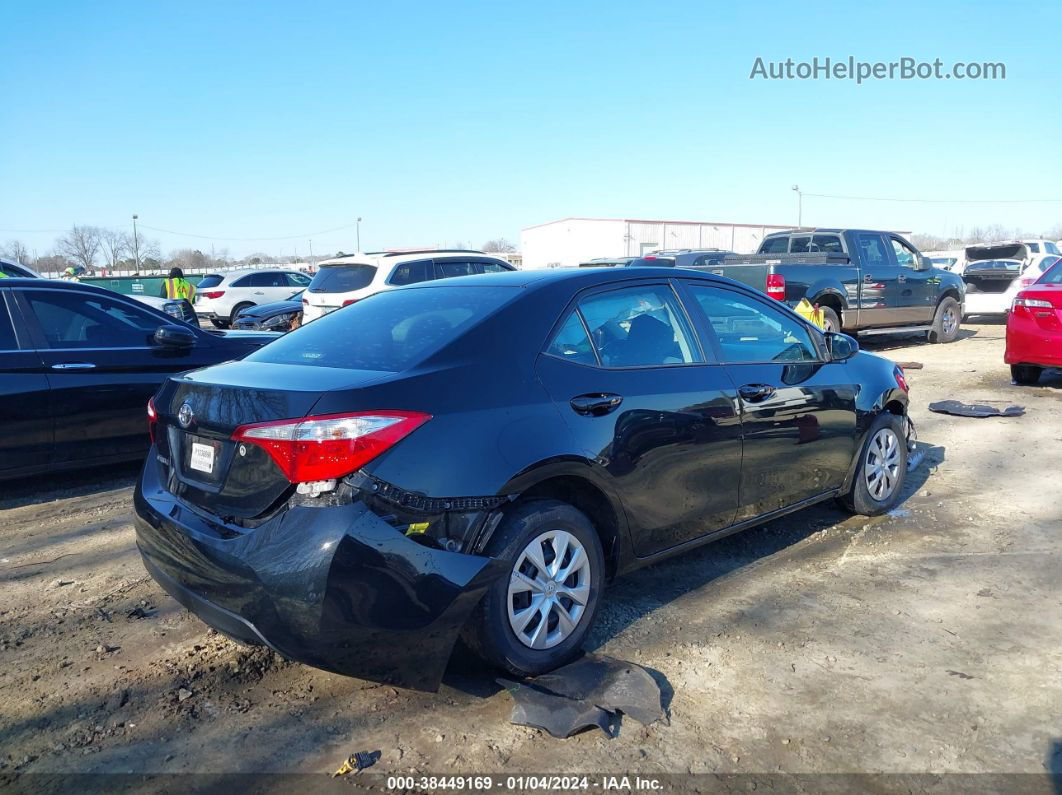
column 153, row 419
column 776, row 286
column 901, row 382
column 332, row 445
column 213, row 294
column 350, row 301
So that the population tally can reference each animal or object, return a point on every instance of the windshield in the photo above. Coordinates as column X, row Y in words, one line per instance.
column 394, row 330
column 342, row 278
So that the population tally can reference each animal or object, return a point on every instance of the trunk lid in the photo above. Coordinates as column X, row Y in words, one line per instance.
column 199, row 412
column 992, row 268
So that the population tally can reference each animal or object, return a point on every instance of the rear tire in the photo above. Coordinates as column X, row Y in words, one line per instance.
column 882, row 468
column 831, row 319
column 237, row 309
column 491, row 631
column 946, row 321
column 1026, row 374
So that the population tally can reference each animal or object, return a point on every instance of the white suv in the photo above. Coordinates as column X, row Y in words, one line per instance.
column 219, row 297
column 344, row 280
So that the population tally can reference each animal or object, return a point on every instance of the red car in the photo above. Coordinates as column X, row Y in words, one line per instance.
column 1034, row 328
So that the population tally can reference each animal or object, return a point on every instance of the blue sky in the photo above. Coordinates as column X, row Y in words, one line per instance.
column 445, row 122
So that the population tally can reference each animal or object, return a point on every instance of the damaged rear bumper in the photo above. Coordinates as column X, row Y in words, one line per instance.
column 335, row 587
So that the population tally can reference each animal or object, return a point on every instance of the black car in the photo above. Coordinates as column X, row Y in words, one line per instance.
column 490, row 452
column 77, row 365
column 274, row 316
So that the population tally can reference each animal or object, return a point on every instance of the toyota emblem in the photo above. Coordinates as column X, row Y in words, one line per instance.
column 185, row 415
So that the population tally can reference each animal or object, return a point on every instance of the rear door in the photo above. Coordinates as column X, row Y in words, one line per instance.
column 628, row 375
column 915, row 289
column 26, row 436
column 879, row 273
column 102, row 366
column 797, row 408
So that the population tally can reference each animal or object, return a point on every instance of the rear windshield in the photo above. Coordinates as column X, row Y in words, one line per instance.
column 342, row 278
column 213, row 280
column 389, row 331
column 1053, row 275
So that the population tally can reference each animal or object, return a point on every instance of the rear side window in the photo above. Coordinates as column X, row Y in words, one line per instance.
column 7, row 331
column 412, row 272
column 571, row 342
column 775, row 245
column 342, row 278
column 639, row 327
column 445, row 270
column 1034, row 247
column 212, row 280
column 872, row 250
column 394, row 330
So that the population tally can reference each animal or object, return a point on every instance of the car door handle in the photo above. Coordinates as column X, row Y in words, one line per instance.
column 74, row 366
column 902, row 278
column 868, row 278
column 258, row 292
column 755, row 393
column 596, row 404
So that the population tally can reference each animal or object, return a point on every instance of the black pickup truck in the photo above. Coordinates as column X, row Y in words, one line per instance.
column 867, row 282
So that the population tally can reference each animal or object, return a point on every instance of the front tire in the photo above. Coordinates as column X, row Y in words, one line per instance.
column 882, row 468
column 536, row 617
column 946, row 321
column 237, row 309
column 1026, row 374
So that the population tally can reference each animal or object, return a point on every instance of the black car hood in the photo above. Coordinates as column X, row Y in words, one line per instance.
column 275, row 308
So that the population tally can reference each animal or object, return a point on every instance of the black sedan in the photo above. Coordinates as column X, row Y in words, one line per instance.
column 274, row 316
column 488, row 454
column 77, row 364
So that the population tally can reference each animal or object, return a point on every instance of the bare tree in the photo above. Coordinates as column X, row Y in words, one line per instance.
column 16, row 250
column 81, row 244
column 499, row 245
column 114, row 243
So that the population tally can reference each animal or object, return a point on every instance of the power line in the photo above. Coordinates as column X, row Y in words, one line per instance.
column 190, row 234
column 933, row 201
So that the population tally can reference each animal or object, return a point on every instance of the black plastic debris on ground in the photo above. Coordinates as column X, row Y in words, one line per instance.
column 961, row 409
column 589, row 692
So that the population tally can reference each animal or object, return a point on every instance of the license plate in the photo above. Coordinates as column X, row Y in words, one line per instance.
column 202, row 458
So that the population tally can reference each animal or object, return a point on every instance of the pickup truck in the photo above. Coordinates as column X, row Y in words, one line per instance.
column 866, row 281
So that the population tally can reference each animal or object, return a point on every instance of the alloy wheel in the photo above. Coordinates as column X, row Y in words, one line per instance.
column 882, row 467
column 948, row 323
column 548, row 589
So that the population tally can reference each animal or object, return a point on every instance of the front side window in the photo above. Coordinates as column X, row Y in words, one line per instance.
column 872, row 251
column 775, row 245
column 639, row 327
column 412, row 272
column 905, row 255
column 73, row 320
column 750, row 331
column 571, row 343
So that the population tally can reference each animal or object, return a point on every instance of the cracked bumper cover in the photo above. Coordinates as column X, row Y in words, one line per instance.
column 335, row 587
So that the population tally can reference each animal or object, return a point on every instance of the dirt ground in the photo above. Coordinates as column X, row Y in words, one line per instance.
column 924, row 641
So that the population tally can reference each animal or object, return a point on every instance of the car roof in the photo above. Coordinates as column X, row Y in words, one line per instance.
column 382, row 258
column 244, row 271
column 580, row 278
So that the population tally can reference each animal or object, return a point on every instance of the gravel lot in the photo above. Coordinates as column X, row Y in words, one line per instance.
column 927, row 640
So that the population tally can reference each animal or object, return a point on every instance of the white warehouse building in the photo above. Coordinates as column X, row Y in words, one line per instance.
column 570, row 241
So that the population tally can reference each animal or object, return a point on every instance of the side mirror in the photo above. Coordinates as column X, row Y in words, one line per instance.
column 922, row 263
column 841, row 346
column 174, row 337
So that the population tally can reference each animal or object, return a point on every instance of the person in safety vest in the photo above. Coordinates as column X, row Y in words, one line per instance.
column 178, row 288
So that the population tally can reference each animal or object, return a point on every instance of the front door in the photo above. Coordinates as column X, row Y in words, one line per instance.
column 102, row 366
column 879, row 276
column 915, row 289
column 797, row 408
column 643, row 402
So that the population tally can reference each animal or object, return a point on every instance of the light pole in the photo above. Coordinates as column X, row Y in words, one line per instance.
column 800, row 206
column 359, row 233
column 136, row 247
